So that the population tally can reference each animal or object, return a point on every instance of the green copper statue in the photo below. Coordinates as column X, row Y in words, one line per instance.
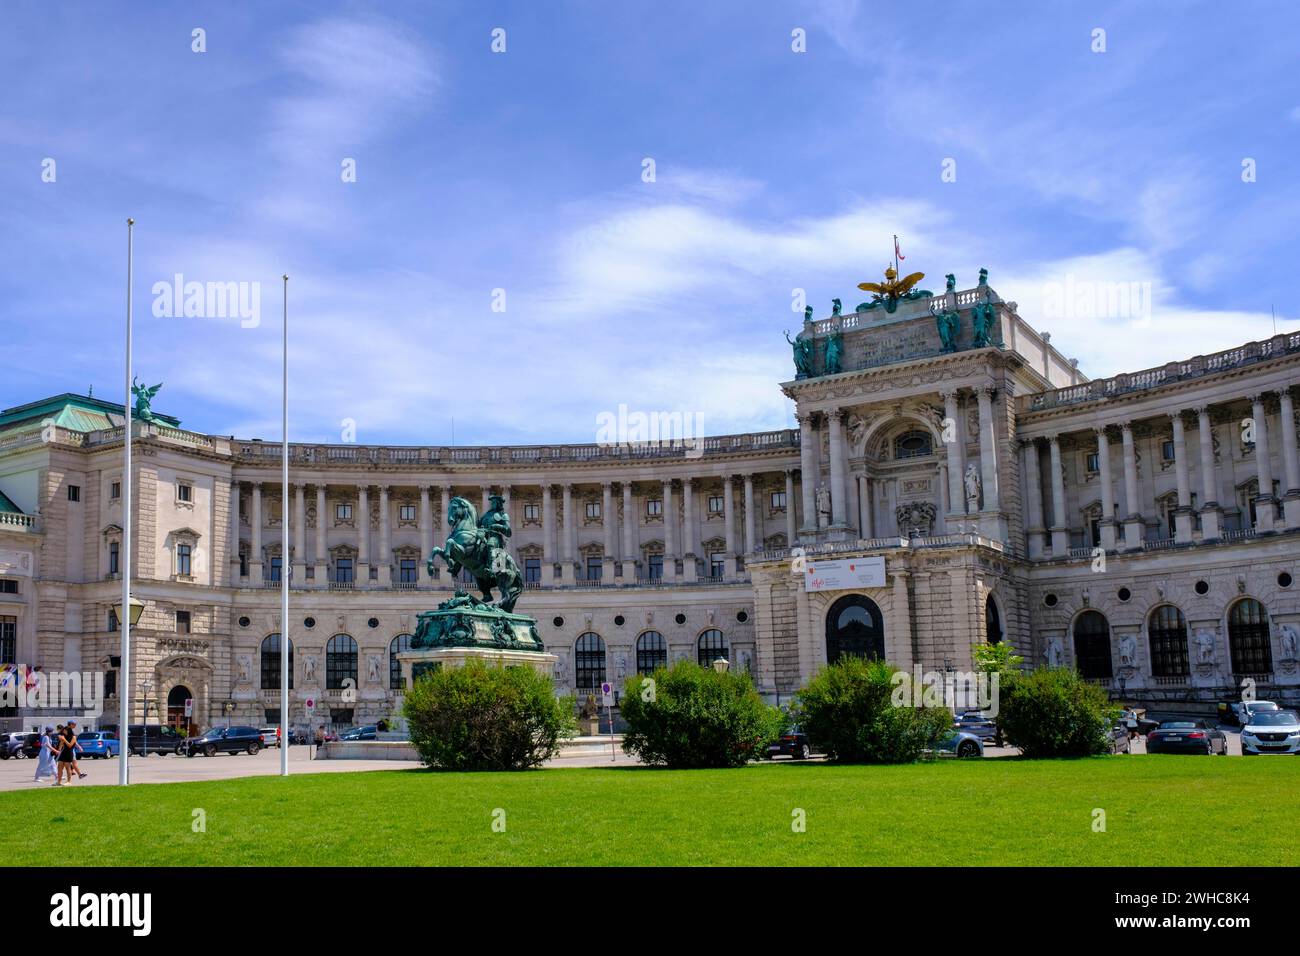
column 802, row 355
column 143, row 396
column 834, row 352
column 949, row 321
column 479, row 548
column 984, row 316
column 836, row 308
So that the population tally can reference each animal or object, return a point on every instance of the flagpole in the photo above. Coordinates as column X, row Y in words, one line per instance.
column 124, row 622
column 286, row 566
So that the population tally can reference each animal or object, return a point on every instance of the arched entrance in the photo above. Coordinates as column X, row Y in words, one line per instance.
column 176, row 699
column 854, row 626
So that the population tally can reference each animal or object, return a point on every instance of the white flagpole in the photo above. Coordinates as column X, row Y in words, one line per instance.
column 285, row 565
column 124, row 671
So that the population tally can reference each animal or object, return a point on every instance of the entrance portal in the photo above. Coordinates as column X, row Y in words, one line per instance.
column 854, row 626
column 176, row 699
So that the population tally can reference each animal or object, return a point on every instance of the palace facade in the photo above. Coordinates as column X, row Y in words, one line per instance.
column 1144, row 528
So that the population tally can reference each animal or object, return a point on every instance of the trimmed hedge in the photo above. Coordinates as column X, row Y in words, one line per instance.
column 480, row 717
column 1053, row 712
column 848, row 714
column 691, row 716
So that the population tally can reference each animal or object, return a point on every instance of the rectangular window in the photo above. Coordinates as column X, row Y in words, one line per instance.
column 243, row 564
column 8, row 640
column 8, row 586
column 406, row 513
column 594, row 566
column 183, row 552
column 406, row 572
column 655, row 566
column 778, row 500
column 715, row 504
column 343, row 512
column 593, row 509
column 531, row 512
column 115, row 490
column 533, row 570
column 653, row 507
column 182, row 622
column 340, row 718
column 1093, row 463
column 1167, row 450
column 112, row 619
column 343, row 571
column 717, row 564
column 273, row 572
column 74, row 492
column 114, row 558
column 184, row 492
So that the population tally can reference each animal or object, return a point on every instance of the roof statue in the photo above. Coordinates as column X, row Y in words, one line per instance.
column 892, row 290
column 143, row 396
column 983, row 317
column 803, row 352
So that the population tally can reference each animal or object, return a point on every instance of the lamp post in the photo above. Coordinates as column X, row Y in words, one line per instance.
column 722, row 665
column 145, row 687
column 134, row 608
column 126, row 620
column 286, row 566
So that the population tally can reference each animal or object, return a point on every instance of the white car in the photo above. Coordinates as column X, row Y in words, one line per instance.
column 1243, row 709
column 1271, row 732
column 269, row 737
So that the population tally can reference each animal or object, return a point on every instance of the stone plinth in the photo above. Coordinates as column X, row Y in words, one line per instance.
column 415, row 663
column 464, row 628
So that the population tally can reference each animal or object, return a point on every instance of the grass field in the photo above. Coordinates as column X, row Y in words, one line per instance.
column 1159, row 811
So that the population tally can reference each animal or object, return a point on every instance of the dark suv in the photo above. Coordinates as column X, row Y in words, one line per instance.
column 143, row 740
column 225, row 740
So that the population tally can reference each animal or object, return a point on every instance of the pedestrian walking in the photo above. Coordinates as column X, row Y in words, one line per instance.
column 76, row 746
column 45, row 758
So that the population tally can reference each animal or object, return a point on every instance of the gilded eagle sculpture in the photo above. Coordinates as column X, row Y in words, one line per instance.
column 892, row 290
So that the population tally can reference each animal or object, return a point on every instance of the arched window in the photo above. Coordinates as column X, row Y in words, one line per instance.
column 1248, row 639
column 651, row 652
column 1092, row 645
column 589, row 662
column 1167, row 629
column 854, row 626
column 402, row 642
column 710, row 647
column 271, row 662
column 340, row 661
column 992, row 621
column 913, row 444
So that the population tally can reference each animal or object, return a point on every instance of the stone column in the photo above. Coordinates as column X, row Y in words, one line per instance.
column 868, row 508
column 1264, row 507
column 234, row 534
column 426, row 534
column 988, row 450
column 362, row 516
column 548, row 536
column 839, row 487
column 956, row 454
column 690, row 531
column 729, row 519
column 299, row 574
column 808, row 474
column 607, row 527
column 321, row 574
column 750, row 542
column 1290, row 460
column 631, row 546
column 255, row 523
column 670, row 533
column 1183, row 516
column 1209, row 479
column 1133, row 525
column 789, row 508
column 1060, row 531
column 385, row 541
column 570, row 551
column 1107, row 490
column 1034, row 494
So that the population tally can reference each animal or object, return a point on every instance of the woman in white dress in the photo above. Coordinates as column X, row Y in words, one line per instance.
column 45, row 760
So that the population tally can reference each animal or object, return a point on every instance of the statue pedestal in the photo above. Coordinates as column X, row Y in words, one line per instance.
column 415, row 664
column 463, row 628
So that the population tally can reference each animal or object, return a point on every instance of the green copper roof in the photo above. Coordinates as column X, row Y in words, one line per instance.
column 9, row 506
column 74, row 412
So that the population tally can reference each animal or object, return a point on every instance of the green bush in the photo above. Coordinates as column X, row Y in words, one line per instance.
column 693, row 716
column 848, row 714
column 478, row 717
column 1053, row 712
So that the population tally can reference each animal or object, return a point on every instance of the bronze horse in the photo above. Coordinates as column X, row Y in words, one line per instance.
column 470, row 547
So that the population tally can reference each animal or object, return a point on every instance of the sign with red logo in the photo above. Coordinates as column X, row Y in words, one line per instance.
column 844, row 574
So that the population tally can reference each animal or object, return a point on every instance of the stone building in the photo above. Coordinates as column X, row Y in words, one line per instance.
column 1142, row 528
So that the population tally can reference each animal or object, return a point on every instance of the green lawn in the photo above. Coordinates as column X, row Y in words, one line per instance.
column 1161, row 810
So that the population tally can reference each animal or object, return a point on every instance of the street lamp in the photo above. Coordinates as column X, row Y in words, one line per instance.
column 136, row 609
column 132, row 616
column 146, row 686
column 722, row 665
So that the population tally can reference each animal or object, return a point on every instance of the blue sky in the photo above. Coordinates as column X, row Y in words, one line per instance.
column 522, row 171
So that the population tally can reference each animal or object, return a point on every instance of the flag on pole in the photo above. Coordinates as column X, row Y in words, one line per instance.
column 898, row 255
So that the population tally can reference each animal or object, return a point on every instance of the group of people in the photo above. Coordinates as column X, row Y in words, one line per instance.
column 58, row 756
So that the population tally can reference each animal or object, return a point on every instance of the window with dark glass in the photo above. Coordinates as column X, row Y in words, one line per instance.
column 594, row 566
column 8, row 640
column 654, row 506
column 913, row 444
column 271, row 662
column 340, row 661
column 402, row 642
column 183, row 552
column 1167, row 450
column 651, row 652
column 531, row 512
column 593, row 509
column 854, row 627
column 717, row 564
column 1249, row 644
column 715, row 504
column 533, row 570
column 184, row 492
column 273, row 573
column 655, row 566
column 407, row 571
column 115, row 489
column 243, row 564
column 1167, row 629
column 589, row 661
column 406, row 513
column 778, row 500
column 343, row 512
column 343, row 570
column 8, row 586
column 74, row 492
column 710, row 647
column 992, row 621
column 1092, row 645
column 112, row 619
column 1093, row 462
column 114, row 557
column 182, row 622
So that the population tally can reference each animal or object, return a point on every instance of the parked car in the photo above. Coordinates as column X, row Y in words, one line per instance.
column 270, row 736
column 11, row 745
column 978, row 723
column 31, row 745
column 145, row 739
column 99, row 744
column 1187, row 737
column 1271, row 732
column 792, row 743
column 961, row 744
column 298, row 737
column 1239, row 711
column 224, row 740
column 360, row 733
column 1121, row 740
column 1137, row 722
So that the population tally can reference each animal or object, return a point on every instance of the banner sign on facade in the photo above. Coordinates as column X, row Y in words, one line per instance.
column 844, row 574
